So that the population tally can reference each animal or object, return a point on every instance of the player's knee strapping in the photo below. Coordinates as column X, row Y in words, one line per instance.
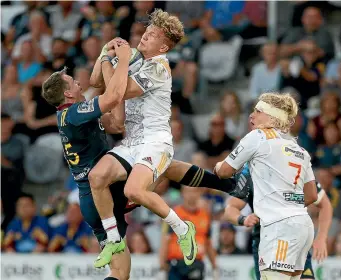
column 198, row 177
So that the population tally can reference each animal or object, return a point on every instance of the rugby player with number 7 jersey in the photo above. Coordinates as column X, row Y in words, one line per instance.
column 282, row 174
column 234, row 216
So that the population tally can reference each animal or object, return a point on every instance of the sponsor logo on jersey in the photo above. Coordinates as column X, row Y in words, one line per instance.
column 294, row 197
column 80, row 176
column 143, row 81
column 279, row 265
column 236, row 152
column 86, row 106
column 289, row 152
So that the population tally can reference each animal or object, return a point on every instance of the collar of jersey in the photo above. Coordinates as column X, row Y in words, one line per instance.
column 158, row 56
column 63, row 106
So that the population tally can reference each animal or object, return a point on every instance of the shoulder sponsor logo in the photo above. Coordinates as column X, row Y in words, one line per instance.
column 86, row 106
column 289, row 152
column 236, row 152
column 143, row 80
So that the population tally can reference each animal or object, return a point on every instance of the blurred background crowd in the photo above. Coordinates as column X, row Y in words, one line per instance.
column 219, row 69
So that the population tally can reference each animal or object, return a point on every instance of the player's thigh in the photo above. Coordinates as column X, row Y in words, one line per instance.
column 156, row 156
column 107, row 171
column 120, row 265
column 283, row 244
column 307, row 237
column 308, row 272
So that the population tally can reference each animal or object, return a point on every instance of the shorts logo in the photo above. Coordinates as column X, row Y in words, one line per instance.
column 282, row 249
column 143, row 80
column 261, row 262
column 86, row 106
column 278, row 265
column 236, row 152
column 148, row 159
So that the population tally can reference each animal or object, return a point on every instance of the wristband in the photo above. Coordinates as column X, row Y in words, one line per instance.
column 241, row 220
column 106, row 58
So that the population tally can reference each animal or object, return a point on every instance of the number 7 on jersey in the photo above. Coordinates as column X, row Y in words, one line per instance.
column 299, row 168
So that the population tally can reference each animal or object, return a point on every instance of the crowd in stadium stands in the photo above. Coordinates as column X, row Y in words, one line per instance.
column 48, row 35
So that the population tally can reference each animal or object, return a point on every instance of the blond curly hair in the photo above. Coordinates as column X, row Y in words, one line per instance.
column 283, row 102
column 171, row 26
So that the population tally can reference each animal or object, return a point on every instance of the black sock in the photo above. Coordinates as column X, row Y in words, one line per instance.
column 111, row 278
column 198, row 177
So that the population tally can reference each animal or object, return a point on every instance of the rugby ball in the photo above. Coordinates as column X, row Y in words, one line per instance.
column 135, row 62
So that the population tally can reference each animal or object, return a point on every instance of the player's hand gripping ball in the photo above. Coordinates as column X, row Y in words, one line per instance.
column 135, row 62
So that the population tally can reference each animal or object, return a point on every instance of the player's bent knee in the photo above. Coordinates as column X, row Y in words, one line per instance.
column 98, row 179
column 133, row 194
column 273, row 275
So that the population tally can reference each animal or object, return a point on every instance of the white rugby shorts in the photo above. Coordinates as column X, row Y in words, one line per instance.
column 284, row 245
column 156, row 156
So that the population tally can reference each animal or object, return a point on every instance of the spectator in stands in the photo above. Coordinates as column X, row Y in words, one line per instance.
column 27, row 233
column 299, row 130
column 10, row 94
column 65, row 21
column 137, row 30
column 326, row 179
column 104, row 11
column 91, row 48
column 28, row 64
column 304, row 73
column 4, row 54
column 265, row 75
column 108, row 32
column 73, row 236
column 330, row 106
column 333, row 75
column 82, row 75
column 20, row 23
column 59, row 58
column 219, row 145
column 235, row 120
column 171, row 259
column 189, row 17
column 139, row 243
column 328, row 155
column 142, row 10
column 38, row 35
column 313, row 29
column 12, row 174
column 227, row 240
column 40, row 117
column 183, row 148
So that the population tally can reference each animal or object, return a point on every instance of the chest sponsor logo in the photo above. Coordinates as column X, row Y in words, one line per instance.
column 294, row 197
column 289, row 152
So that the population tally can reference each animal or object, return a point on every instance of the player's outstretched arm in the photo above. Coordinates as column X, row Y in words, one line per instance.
column 232, row 210
column 96, row 78
column 116, row 88
column 320, row 251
